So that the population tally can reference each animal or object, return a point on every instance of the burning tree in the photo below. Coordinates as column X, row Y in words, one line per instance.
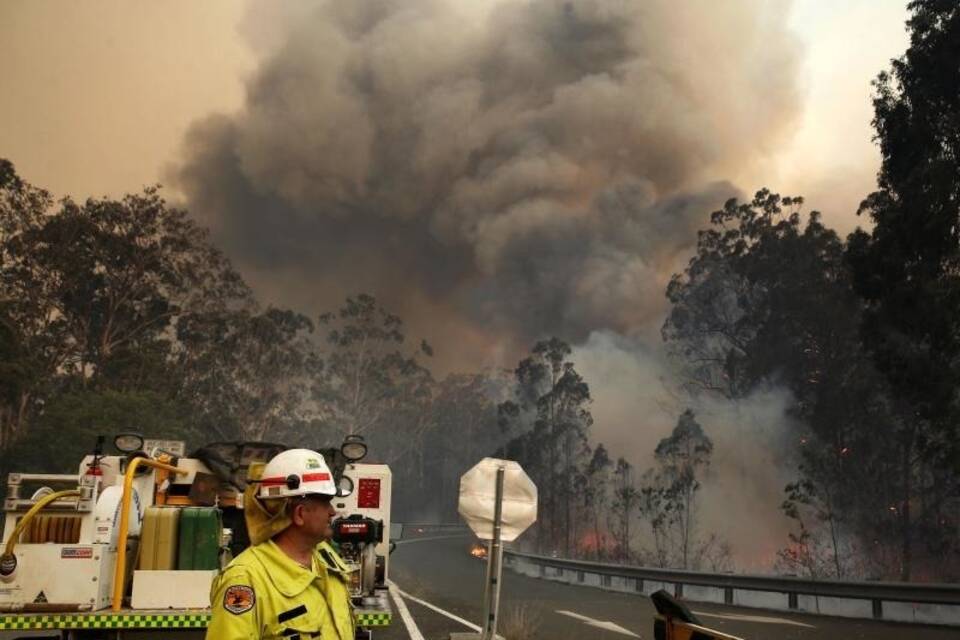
column 596, row 489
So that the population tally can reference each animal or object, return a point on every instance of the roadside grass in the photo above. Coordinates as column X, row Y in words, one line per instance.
column 521, row 622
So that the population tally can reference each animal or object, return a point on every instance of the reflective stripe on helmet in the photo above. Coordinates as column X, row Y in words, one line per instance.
column 307, row 477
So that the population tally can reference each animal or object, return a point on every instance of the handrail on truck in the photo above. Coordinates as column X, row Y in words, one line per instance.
column 120, row 569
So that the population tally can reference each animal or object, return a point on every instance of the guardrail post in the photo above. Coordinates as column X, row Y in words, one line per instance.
column 639, row 584
column 792, row 600
column 728, row 595
column 678, row 589
column 878, row 609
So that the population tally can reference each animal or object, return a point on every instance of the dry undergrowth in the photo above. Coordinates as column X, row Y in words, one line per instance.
column 521, row 622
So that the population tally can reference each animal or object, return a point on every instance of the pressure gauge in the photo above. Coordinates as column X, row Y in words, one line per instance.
column 128, row 442
column 344, row 487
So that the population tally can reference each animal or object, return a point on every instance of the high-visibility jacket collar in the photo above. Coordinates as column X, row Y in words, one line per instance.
column 331, row 559
column 287, row 576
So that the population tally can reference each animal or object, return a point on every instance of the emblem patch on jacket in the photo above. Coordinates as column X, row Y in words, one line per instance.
column 238, row 599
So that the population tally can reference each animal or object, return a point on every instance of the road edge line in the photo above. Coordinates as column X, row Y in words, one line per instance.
column 412, row 629
column 395, row 588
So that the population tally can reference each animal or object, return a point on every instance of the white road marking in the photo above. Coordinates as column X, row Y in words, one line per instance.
column 395, row 589
column 412, row 629
column 601, row 624
column 739, row 617
column 415, row 634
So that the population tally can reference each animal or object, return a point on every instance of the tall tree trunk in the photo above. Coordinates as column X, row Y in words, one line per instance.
column 19, row 423
column 13, row 420
column 628, row 508
column 596, row 528
column 834, row 536
column 905, row 524
column 567, row 491
column 686, row 530
column 6, row 424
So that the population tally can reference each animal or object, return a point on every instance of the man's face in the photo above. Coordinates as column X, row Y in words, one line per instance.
column 313, row 515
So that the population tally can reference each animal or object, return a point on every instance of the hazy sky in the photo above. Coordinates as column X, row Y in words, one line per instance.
column 832, row 159
column 98, row 94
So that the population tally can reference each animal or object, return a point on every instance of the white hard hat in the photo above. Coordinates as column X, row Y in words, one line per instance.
column 297, row 472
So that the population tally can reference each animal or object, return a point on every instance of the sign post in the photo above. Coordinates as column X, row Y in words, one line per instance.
column 498, row 501
column 491, row 591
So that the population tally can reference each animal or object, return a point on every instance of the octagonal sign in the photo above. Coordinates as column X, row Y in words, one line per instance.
column 478, row 494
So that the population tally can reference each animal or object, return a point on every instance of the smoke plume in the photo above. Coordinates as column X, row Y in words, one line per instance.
column 496, row 172
column 516, row 169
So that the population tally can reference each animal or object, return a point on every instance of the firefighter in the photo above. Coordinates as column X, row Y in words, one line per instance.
column 283, row 585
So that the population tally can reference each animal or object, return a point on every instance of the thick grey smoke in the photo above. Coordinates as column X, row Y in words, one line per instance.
column 516, row 169
column 637, row 403
column 497, row 172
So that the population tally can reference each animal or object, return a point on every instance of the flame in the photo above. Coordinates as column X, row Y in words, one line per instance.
column 592, row 543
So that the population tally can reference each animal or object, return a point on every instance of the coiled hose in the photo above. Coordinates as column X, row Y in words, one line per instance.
column 8, row 556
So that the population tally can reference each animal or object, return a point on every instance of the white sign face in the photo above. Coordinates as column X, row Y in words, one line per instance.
column 176, row 447
column 478, row 494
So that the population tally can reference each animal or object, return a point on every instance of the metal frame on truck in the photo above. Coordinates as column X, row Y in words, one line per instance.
column 71, row 556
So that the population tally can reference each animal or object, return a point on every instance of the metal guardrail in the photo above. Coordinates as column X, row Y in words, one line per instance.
column 927, row 603
column 405, row 530
column 432, row 526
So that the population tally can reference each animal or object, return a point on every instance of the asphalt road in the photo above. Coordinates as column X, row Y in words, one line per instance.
column 439, row 571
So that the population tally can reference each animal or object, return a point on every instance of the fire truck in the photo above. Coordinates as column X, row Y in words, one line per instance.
column 130, row 543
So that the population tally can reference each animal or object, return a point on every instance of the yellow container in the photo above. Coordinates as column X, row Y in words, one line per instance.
column 158, row 539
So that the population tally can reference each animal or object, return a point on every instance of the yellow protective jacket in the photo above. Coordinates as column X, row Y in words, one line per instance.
column 263, row 593
column 338, row 586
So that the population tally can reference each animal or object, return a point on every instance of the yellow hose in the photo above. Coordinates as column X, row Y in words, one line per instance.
column 25, row 520
column 120, row 569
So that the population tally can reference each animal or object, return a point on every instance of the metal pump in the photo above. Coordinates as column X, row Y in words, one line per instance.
column 358, row 537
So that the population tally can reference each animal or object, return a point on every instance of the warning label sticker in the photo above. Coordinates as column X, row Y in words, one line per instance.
column 76, row 552
column 368, row 495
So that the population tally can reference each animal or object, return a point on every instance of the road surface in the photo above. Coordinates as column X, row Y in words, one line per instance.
column 433, row 571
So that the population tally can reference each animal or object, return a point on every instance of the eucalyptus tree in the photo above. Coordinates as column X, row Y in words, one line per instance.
column 549, row 414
